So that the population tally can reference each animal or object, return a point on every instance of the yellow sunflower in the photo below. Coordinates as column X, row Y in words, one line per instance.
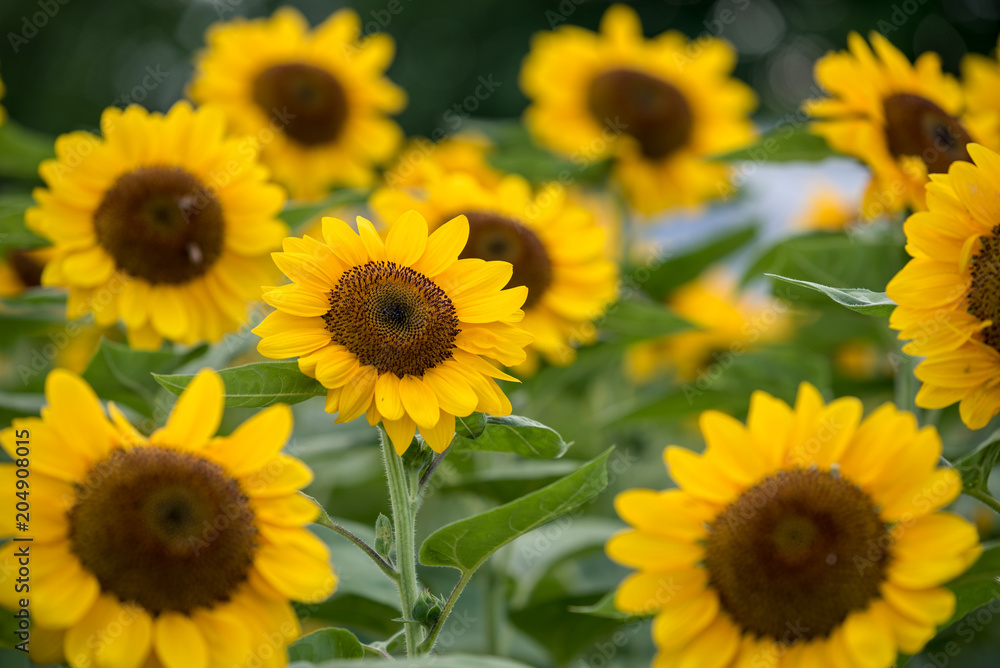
column 556, row 247
column 316, row 100
column 658, row 106
column 807, row 537
column 179, row 550
column 827, row 209
column 423, row 160
column 164, row 224
column 981, row 83
column 949, row 293
column 727, row 324
column 903, row 120
column 397, row 331
column 22, row 269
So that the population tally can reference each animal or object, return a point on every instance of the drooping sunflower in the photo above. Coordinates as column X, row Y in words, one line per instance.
column 807, row 537
column 903, row 120
column 556, row 247
column 316, row 100
column 949, row 293
column 726, row 322
column 163, row 224
column 179, row 550
column 659, row 107
column 397, row 331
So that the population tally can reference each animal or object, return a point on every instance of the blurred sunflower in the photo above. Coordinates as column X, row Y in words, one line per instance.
column 827, row 209
column 949, row 293
column 981, row 82
column 423, row 160
column 315, row 100
column 191, row 543
column 660, row 107
column 22, row 269
column 557, row 250
column 904, row 121
column 727, row 323
column 396, row 330
column 164, row 224
column 807, row 537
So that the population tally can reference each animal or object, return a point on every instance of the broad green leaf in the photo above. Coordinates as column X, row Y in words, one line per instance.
column 326, row 644
column 14, row 235
column 979, row 585
column 257, row 385
column 126, row 376
column 858, row 300
column 673, row 272
column 783, row 143
column 516, row 434
column 512, row 480
column 632, row 320
column 447, row 661
column 466, row 544
column 22, row 150
column 297, row 213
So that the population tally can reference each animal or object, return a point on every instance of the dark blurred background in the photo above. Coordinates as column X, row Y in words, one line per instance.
column 63, row 61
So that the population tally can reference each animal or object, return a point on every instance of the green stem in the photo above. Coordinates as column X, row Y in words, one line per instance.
column 428, row 644
column 324, row 520
column 984, row 498
column 404, row 520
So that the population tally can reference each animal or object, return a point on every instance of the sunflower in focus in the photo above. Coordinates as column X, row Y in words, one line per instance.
column 163, row 224
column 181, row 550
column 557, row 250
column 903, row 120
column 949, row 293
column 316, row 100
column 397, row 331
column 659, row 107
column 807, row 537
column 726, row 324
column 423, row 160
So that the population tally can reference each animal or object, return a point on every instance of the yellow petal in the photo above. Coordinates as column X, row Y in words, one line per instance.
column 358, row 394
column 420, row 401
column 648, row 591
column 648, row 552
column 196, row 415
column 677, row 624
column 371, row 240
column 443, row 247
column 283, row 475
column 255, row 442
column 296, row 563
column 407, row 239
column 869, row 639
column 387, row 398
column 77, row 415
column 178, row 642
column 400, row 432
column 697, row 476
column 440, row 435
column 344, row 241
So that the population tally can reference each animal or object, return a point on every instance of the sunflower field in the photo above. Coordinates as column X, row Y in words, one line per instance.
column 564, row 334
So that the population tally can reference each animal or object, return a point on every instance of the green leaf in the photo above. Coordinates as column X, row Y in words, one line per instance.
column 604, row 608
column 383, row 535
column 516, row 434
column 449, row 661
column 470, row 426
column 466, row 544
column 673, row 272
column 783, row 143
column 979, row 585
column 976, row 466
column 14, row 235
column 297, row 213
column 326, row 644
column 858, row 300
column 257, row 385
column 632, row 320
column 126, row 376
column 22, row 150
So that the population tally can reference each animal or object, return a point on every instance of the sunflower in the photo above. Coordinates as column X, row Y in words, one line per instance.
column 423, row 160
column 904, row 121
column 21, row 269
column 164, row 224
column 808, row 537
column 316, row 100
column 827, row 209
column 726, row 324
column 179, row 550
column 396, row 330
column 981, row 83
column 660, row 107
column 556, row 247
column 949, row 293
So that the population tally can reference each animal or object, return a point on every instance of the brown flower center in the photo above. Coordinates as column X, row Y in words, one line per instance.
column 796, row 554
column 649, row 109
column 167, row 530
column 161, row 224
column 307, row 101
column 984, row 295
column 916, row 126
column 392, row 318
column 26, row 267
column 496, row 237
